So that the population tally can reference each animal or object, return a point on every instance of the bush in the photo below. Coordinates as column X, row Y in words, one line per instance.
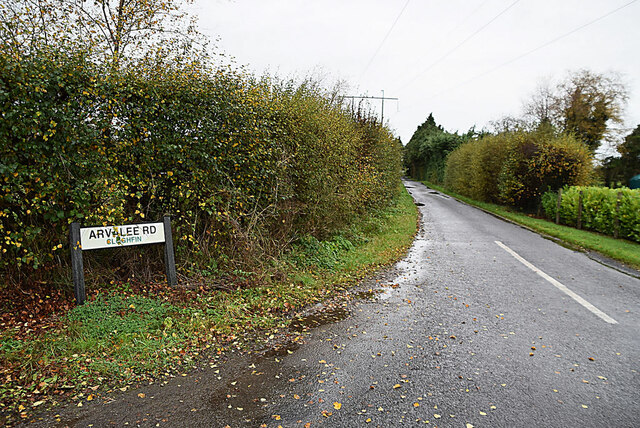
column 243, row 166
column 539, row 161
column 599, row 209
column 516, row 168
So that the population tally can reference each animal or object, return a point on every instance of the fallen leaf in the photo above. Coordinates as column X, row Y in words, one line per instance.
column 482, row 414
column 141, row 395
column 337, row 405
column 396, row 386
column 436, row 416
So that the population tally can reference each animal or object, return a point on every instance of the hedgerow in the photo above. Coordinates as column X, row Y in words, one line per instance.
column 516, row 168
column 599, row 209
column 244, row 166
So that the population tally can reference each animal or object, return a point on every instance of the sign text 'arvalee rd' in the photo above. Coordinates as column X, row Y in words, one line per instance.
column 95, row 238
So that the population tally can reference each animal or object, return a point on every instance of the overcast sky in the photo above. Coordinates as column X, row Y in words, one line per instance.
column 468, row 61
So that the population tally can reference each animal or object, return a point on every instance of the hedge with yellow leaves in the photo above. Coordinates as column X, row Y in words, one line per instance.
column 243, row 165
column 516, row 168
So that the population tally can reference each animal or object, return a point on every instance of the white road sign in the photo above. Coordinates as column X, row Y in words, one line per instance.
column 93, row 238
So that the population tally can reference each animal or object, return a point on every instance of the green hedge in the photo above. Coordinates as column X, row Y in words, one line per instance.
column 599, row 211
column 516, row 168
column 243, row 165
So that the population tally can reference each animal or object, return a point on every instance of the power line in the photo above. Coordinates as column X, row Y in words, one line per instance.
column 384, row 40
column 458, row 25
column 366, row 97
column 446, row 55
column 544, row 45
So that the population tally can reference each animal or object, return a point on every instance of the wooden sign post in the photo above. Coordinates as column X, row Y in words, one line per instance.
column 95, row 238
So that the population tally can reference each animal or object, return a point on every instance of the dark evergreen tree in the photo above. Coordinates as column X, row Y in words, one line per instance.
column 426, row 153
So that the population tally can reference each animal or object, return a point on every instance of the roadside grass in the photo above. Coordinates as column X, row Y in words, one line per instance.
column 621, row 250
column 124, row 335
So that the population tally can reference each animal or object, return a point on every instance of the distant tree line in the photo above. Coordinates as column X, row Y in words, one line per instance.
column 553, row 143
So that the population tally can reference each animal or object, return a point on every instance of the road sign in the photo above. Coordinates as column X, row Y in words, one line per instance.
column 101, row 237
column 93, row 238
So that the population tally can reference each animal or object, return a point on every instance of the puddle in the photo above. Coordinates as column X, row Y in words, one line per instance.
column 280, row 350
column 367, row 294
column 322, row 317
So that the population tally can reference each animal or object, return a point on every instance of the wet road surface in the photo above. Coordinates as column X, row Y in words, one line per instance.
column 470, row 329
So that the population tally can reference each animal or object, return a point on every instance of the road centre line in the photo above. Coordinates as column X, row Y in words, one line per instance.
column 559, row 285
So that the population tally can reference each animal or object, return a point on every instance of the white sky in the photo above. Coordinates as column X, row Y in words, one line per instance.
column 445, row 57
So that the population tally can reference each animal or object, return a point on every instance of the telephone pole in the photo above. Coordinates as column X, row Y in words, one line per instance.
column 364, row 97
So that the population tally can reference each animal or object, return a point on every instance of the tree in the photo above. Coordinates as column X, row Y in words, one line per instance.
column 585, row 104
column 630, row 154
column 539, row 108
column 111, row 30
column 507, row 124
column 425, row 154
column 588, row 103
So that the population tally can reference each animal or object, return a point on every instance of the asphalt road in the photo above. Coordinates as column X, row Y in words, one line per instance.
column 460, row 333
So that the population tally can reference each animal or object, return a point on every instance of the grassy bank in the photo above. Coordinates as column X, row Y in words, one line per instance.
column 128, row 333
column 621, row 250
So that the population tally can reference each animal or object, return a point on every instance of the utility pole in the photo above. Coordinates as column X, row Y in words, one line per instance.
column 353, row 97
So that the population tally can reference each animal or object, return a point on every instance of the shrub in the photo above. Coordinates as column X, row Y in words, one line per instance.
column 599, row 211
column 243, row 166
column 539, row 161
column 516, row 168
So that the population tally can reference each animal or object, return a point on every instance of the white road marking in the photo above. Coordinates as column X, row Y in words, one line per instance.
column 559, row 285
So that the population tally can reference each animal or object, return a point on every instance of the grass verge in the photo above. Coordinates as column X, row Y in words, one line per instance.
column 618, row 249
column 129, row 333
